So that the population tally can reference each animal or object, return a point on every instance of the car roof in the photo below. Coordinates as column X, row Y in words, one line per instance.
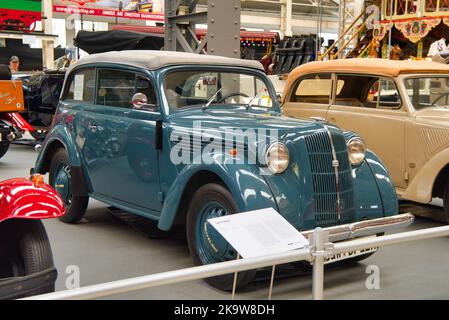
column 152, row 59
column 385, row 67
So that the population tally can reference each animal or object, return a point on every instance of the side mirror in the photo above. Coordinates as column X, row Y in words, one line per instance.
column 140, row 102
column 279, row 98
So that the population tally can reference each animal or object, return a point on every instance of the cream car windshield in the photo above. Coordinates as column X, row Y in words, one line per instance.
column 428, row 91
column 185, row 89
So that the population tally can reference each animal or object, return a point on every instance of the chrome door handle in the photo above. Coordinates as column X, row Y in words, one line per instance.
column 318, row 119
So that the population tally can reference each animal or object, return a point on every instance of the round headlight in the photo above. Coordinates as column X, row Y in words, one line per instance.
column 277, row 157
column 356, row 151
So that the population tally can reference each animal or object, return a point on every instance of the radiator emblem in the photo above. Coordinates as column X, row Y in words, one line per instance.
column 335, row 163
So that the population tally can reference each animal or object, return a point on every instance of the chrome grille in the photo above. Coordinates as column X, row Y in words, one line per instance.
column 325, row 182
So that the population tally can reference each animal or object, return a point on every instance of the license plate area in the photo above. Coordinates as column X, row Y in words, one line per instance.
column 348, row 255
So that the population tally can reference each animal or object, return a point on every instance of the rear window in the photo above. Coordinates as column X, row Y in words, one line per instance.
column 82, row 86
column 115, row 88
column 315, row 88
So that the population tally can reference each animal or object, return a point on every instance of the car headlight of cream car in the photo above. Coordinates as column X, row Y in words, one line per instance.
column 356, row 151
column 277, row 157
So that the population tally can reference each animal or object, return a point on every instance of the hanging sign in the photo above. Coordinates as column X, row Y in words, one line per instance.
column 20, row 15
column 129, row 9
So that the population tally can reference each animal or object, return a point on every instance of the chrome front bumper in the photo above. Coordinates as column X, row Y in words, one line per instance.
column 366, row 227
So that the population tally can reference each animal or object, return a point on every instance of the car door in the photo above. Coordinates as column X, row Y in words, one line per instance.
column 371, row 106
column 114, row 146
column 309, row 97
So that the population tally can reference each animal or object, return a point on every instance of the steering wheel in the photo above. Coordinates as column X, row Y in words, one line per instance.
column 443, row 95
column 234, row 94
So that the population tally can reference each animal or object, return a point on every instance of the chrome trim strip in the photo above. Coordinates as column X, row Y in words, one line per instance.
column 366, row 227
column 335, row 165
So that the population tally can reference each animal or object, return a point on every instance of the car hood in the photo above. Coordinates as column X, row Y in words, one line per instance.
column 434, row 116
column 220, row 120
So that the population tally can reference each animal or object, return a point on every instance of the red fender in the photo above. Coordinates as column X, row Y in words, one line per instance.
column 20, row 122
column 21, row 198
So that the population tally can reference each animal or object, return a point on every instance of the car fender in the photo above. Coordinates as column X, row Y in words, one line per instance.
column 22, row 199
column 59, row 135
column 420, row 188
column 381, row 178
column 249, row 190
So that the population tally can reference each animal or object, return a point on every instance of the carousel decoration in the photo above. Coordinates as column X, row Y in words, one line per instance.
column 414, row 30
column 381, row 29
column 395, row 53
column 374, row 48
column 446, row 21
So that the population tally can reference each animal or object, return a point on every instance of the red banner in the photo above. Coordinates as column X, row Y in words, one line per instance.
column 110, row 13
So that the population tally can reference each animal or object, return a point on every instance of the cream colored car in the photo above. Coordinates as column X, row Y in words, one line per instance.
column 400, row 108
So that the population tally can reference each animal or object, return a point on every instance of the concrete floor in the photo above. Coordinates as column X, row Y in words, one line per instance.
column 105, row 249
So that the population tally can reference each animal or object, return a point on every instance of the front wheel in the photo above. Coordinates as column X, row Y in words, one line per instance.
column 206, row 245
column 61, row 181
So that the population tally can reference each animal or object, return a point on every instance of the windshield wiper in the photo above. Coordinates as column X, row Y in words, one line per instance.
column 206, row 105
column 249, row 104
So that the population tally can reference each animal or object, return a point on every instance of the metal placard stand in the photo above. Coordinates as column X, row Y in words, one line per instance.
column 258, row 233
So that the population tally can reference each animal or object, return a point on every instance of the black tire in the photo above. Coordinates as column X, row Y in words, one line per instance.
column 446, row 201
column 205, row 194
column 28, row 251
column 4, row 146
column 75, row 205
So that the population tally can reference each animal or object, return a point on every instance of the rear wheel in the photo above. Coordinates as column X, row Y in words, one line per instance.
column 27, row 251
column 206, row 245
column 4, row 146
column 61, row 181
column 446, row 201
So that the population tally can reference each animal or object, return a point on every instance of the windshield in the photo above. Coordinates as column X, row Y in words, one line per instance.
column 428, row 91
column 204, row 88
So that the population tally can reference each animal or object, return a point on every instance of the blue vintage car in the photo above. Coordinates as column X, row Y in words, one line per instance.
column 180, row 138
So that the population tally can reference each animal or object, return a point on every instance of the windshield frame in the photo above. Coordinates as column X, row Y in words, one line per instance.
column 226, row 69
column 418, row 76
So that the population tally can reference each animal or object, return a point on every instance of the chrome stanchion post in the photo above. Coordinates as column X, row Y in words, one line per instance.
column 270, row 292
column 234, row 285
column 318, row 242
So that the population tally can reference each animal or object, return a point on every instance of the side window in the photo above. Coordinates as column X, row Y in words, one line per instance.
column 384, row 94
column 143, row 85
column 315, row 88
column 115, row 88
column 354, row 90
column 82, row 86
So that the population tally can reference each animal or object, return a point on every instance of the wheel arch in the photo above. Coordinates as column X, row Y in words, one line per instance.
column 198, row 180
column 59, row 137
column 235, row 178
column 429, row 180
column 440, row 182
column 48, row 154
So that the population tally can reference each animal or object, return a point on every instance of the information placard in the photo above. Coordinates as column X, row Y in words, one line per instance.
column 259, row 233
